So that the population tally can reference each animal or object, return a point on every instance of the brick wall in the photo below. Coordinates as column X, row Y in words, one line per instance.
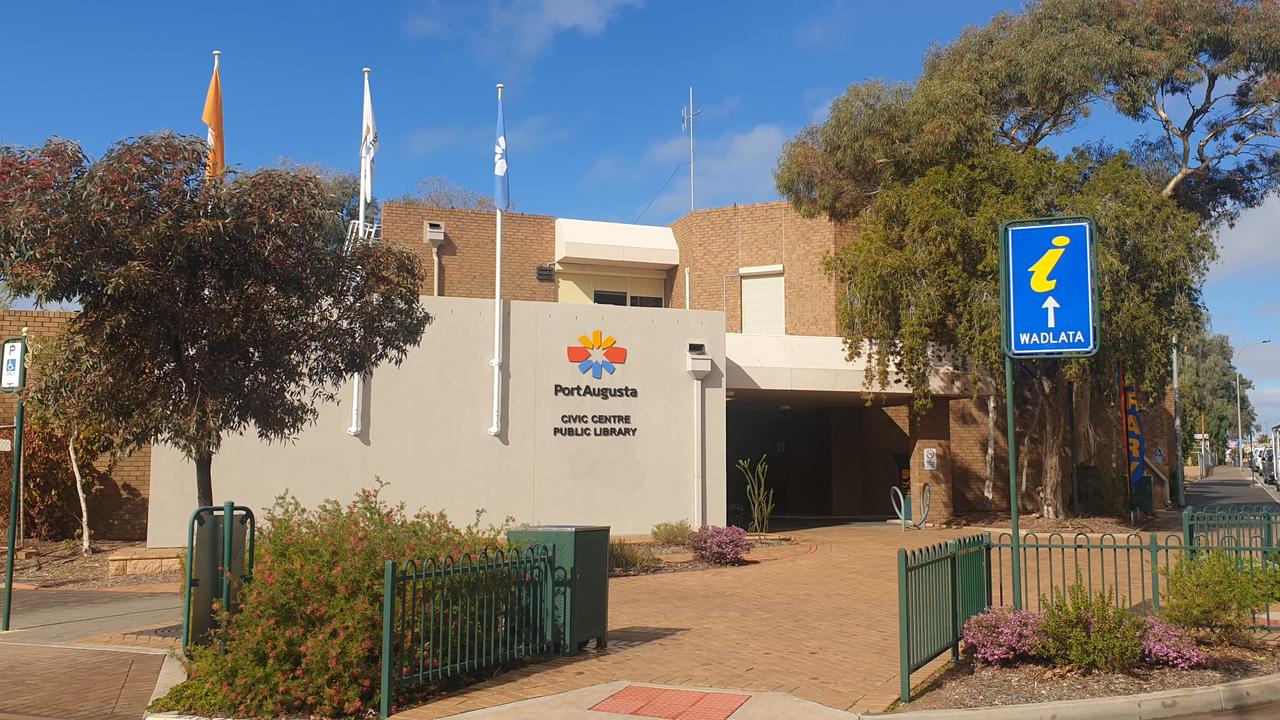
column 118, row 509
column 717, row 242
column 466, row 257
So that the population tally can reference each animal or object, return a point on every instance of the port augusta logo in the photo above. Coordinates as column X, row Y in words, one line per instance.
column 597, row 354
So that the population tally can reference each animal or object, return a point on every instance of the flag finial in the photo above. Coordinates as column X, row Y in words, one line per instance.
column 366, row 71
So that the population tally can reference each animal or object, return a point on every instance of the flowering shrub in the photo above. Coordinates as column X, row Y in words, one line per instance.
column 1166, row 644
column 307, row 637
column 1088, row 632
column 720, row 545
column 1001, row 636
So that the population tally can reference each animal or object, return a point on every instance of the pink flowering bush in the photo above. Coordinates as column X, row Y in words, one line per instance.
column 720, row 545
column 1002, row 636
column 1166, row 644
column 307, row 637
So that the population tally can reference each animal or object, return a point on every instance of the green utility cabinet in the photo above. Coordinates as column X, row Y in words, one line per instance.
column 580, row 594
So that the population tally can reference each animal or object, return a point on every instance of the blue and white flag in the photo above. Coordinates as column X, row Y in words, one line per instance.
column 501, row 187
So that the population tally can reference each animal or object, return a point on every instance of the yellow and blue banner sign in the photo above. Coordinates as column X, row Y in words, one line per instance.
column 1137, row 444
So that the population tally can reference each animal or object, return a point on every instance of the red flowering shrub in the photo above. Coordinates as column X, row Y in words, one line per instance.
column 307, row 637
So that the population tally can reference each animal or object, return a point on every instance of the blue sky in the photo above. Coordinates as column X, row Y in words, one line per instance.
column 593, row 99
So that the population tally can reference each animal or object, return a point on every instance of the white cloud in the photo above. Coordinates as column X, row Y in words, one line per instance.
column 513, row 32
column 733, row 168
column 524, row 136
column 827, row 29
column 1252, row 247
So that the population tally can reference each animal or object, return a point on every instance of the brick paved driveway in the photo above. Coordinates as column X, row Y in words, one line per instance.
column 41, row 682
column 819, row 621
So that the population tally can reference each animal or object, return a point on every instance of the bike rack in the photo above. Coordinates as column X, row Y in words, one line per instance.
column 899, row 503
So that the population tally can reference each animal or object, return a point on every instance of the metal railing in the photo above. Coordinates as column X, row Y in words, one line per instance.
column 939, row 588
column 943, row 585
column 1247, row 524
column 445, row 618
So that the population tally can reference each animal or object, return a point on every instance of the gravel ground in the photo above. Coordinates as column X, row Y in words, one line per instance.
column 968, row 686
column 60, row 565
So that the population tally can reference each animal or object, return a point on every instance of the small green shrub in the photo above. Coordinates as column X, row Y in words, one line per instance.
column 1089, row 632
column 624, row 557
column 1217, row 594
column 307, row 638
column 671, row 533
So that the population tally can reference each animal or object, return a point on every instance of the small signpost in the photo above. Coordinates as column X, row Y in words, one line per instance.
column 1049, row 310
column 13, row 376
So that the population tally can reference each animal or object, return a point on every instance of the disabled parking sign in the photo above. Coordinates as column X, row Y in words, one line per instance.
column 1047, row 288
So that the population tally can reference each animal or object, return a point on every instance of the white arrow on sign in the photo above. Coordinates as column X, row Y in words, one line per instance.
column 1050, row 304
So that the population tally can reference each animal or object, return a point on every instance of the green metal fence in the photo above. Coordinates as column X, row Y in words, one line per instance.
column 943, row 585
column 939, row 588
column 1231, row 524
column 445, row 619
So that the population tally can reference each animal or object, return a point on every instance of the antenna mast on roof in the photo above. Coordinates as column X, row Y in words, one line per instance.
column 687, row 114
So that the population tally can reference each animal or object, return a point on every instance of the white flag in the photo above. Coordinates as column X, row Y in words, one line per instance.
column 368, row 145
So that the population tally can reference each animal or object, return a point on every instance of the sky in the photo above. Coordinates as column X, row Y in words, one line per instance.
column 593, row 98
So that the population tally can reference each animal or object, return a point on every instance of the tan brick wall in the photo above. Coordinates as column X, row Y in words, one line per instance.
column 466, row 258
column 719, row 241
column 118, row 509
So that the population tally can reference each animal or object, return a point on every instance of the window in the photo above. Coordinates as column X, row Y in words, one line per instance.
column 645, row 301
column 763, row 305
column 609, row 297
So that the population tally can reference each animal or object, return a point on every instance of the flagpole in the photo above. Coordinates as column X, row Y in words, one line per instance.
column 496, row 360
column 357, row 379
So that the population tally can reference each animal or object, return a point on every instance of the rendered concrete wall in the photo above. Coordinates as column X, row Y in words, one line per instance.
column 426, row 425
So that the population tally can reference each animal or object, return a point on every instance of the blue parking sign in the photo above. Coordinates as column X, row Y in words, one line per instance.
column 1047, row 286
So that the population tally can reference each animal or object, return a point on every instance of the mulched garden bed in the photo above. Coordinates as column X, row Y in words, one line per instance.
column 58, row 564
column 668, row 566
column 967, row 685
column 1033, row 523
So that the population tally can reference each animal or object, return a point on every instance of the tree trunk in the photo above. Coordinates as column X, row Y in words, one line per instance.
column 1053, row 444
column 204, row 478
column 988, row 486
column 84, row 507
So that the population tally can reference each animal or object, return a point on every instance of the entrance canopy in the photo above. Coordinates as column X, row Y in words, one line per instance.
column 815, row 364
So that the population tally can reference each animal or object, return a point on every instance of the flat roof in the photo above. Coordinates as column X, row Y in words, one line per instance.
column 592, row 242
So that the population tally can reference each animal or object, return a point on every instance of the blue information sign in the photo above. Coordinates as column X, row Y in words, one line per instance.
column 1047, row 277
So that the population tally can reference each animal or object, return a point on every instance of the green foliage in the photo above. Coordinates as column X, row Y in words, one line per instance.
column 1207, row 391
column 209, row 306
column 671, row 533
column 50, row 508
column 1090, row 632
column 759, row 498
column 1217, row 593
column 630, row 557
column 307, row 638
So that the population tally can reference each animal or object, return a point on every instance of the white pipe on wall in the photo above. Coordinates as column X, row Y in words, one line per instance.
column 435, row 273
column 699, row 520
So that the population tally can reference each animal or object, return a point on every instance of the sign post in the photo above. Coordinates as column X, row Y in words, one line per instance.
column 1049, row 310
column 13, row 376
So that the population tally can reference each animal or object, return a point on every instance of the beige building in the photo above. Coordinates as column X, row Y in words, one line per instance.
column 739, row 292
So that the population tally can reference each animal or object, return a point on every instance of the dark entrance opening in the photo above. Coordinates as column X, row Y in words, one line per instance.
column 832, row 458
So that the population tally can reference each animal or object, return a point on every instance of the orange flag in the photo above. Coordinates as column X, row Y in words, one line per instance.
column 217, row 162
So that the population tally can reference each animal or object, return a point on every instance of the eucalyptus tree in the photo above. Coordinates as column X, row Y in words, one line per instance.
column 929, row 170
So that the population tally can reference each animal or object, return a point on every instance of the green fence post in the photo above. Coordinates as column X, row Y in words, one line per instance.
column 904, row 629
column 1155, row 572
column 1267, row 534
column 1188, row 538
column 228, row 514
column 955, row 599
column 388, row 584
column 986, row 559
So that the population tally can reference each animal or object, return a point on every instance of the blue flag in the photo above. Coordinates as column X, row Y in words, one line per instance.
column 501, row 188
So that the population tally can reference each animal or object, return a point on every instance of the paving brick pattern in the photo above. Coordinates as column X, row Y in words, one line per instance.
column 655, row 702
column 819, row 622
column 70, row 684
